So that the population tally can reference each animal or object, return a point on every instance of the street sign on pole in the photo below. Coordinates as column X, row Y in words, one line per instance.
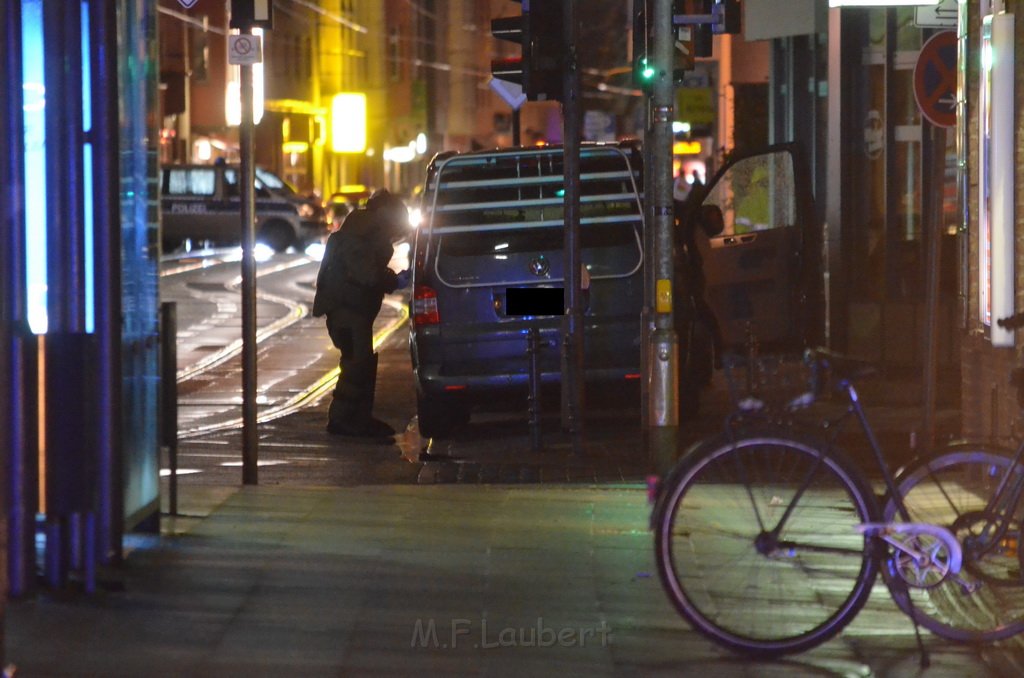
column 935, row 79
column 942, row 15
column 245, row 50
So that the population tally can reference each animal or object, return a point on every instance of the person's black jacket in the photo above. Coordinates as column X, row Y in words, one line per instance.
column 354, row 274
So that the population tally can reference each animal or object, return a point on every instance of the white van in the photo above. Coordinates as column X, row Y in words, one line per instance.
column 201, row 203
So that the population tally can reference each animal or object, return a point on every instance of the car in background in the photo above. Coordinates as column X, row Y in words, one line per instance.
column 490, row 239
column 202, row 203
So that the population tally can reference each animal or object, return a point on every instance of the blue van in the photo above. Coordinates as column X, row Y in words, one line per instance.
column 492, row 228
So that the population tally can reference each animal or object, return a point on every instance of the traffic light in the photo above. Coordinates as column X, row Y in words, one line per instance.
column 701, row 33
column 645, row 70
column 731, row 13
column 539, row 32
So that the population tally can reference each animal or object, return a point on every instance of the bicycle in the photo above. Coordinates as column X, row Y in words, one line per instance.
column 771, row 513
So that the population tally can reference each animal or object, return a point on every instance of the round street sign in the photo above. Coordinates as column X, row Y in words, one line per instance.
column 935, row 79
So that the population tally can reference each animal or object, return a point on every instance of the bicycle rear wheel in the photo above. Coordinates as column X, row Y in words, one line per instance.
column 985, row 601
column 757, row 546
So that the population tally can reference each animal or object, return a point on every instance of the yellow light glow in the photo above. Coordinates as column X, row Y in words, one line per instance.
column 686, row 148
column 348, row 122
column 295, row 147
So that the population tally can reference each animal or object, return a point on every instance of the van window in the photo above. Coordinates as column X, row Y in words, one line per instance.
column 478, row 243
column 494, row 207
column 272, row 181
column 231, row 185
column 191, row 181
column 756, row 194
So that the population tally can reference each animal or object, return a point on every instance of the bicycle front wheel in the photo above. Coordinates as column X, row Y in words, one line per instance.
column 985, row 600
column 757, row 543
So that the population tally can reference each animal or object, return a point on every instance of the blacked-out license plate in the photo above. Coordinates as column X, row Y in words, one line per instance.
column 534, row 301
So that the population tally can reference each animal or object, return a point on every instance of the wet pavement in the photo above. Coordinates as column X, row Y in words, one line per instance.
column 476, row 556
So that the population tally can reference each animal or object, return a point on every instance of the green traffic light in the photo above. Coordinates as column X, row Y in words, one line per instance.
column 646, row 70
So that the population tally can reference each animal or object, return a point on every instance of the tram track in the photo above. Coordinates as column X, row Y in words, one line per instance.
column 278, row 400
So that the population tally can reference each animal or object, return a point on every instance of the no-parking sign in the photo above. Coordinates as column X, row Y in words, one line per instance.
column 935, row 79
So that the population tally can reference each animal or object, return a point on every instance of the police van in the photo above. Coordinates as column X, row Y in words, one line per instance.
column 202, row 203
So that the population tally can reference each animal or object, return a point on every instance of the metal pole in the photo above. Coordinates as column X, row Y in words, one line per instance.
column 963, row 183
column 106, row 154
column 10, row 221
column 664, row 350
column 169, row 393
column 647, row 312
column 250, row 439
column 933, row 164
column 516, row 134
column 533, row 398
column 572, row 111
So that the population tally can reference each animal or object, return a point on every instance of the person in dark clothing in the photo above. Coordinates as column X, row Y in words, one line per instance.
column 696, row 324
column 350, row 288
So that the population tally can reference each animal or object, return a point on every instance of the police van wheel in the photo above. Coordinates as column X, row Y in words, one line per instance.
column 276, row 235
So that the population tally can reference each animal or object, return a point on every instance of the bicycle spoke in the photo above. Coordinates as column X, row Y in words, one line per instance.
column 985, row 600
column 747, row 587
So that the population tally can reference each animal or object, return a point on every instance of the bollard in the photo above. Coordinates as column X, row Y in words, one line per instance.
column 169, row 397
column 533, row 399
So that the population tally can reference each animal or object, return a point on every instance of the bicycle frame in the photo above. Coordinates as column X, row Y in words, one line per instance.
column 998, row 511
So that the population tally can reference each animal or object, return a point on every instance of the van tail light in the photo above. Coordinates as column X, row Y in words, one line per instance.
column 424, row 306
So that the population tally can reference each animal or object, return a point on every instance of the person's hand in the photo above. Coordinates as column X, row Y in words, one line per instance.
column 403, row 278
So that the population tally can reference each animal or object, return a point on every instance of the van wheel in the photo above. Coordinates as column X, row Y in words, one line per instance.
column 276, row 235
column 439, row 414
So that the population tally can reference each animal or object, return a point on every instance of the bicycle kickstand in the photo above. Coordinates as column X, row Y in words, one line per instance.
column 925, row 659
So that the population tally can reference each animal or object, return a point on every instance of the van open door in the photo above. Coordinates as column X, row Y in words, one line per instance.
column 760, row 250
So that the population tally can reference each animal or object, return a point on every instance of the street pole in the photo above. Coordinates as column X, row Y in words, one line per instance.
column 572, row 350
column 933, row 160
column 10, row 219
column 250, row 438
column 664, row 350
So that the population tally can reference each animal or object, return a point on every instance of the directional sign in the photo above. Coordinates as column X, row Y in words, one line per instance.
column 935, row 79
column 244, row 50
column 187, row 4
column 942, row 15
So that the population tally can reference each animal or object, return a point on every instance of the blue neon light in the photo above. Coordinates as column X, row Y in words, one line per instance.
column 87, row 184
column 33, row 83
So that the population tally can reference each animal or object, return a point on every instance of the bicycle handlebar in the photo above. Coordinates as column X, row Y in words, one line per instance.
column 1014, row 322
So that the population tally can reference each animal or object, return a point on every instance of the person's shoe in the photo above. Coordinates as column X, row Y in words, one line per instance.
column 378, row 428
column 373, row 429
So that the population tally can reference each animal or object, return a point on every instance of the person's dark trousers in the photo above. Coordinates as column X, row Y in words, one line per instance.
column 353, row 394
